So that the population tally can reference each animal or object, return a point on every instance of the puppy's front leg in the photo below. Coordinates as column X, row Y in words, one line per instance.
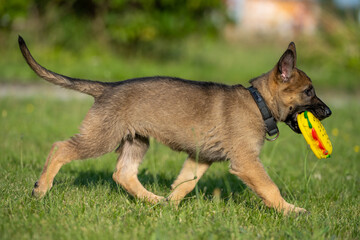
column 253, row 174
column 186, row 181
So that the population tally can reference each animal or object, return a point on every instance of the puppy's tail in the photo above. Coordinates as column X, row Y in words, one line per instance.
column 93, row 88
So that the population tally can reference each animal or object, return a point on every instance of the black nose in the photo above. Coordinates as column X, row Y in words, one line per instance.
column 327, row 112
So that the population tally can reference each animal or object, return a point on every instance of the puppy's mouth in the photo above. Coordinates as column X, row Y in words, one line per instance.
column 319, row 111
column 291, row 119
column 292, row 122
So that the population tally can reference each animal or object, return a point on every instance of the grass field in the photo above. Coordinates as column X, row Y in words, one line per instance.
column 86, row 204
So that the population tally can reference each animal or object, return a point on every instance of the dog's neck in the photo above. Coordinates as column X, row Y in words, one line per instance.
column 270, row 122
column 264, row 85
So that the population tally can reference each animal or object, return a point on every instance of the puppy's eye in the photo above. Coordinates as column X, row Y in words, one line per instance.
column 309, row 91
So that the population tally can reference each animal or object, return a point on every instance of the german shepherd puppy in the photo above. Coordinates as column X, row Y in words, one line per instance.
column 211, row 122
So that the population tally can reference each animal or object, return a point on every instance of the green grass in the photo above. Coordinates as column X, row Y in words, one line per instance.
column 86, row 204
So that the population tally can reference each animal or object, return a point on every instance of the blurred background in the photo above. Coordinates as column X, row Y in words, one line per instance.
column 228, row 41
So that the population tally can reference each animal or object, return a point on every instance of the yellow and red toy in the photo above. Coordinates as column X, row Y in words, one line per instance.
column 314, row 134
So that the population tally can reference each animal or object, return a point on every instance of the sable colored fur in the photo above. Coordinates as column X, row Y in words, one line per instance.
column 214, row 122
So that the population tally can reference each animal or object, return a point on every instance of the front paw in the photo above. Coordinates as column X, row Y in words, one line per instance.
column 290, row 208
column 38, row 191
column 300, row 210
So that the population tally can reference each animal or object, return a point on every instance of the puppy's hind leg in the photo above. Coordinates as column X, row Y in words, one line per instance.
column 94, row 140
column 131, row 155
column 60, row 154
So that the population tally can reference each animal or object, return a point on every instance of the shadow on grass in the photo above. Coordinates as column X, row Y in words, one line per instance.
column 227, row 184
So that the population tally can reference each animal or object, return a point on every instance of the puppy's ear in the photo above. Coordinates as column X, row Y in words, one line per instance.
column 287, row 63
column 293, row 49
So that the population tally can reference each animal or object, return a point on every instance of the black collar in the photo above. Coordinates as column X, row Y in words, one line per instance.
column 269, row 120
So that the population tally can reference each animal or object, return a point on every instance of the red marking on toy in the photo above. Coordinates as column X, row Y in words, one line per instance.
column 315, row 136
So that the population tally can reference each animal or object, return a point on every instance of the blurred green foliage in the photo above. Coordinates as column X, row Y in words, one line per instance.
column 120, row 22
column 336, row 46
column 121, row 39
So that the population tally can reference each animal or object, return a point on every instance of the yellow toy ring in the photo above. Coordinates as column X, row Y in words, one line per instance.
column 315, row 134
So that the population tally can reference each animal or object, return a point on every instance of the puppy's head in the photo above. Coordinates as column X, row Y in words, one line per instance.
column 293, row 91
